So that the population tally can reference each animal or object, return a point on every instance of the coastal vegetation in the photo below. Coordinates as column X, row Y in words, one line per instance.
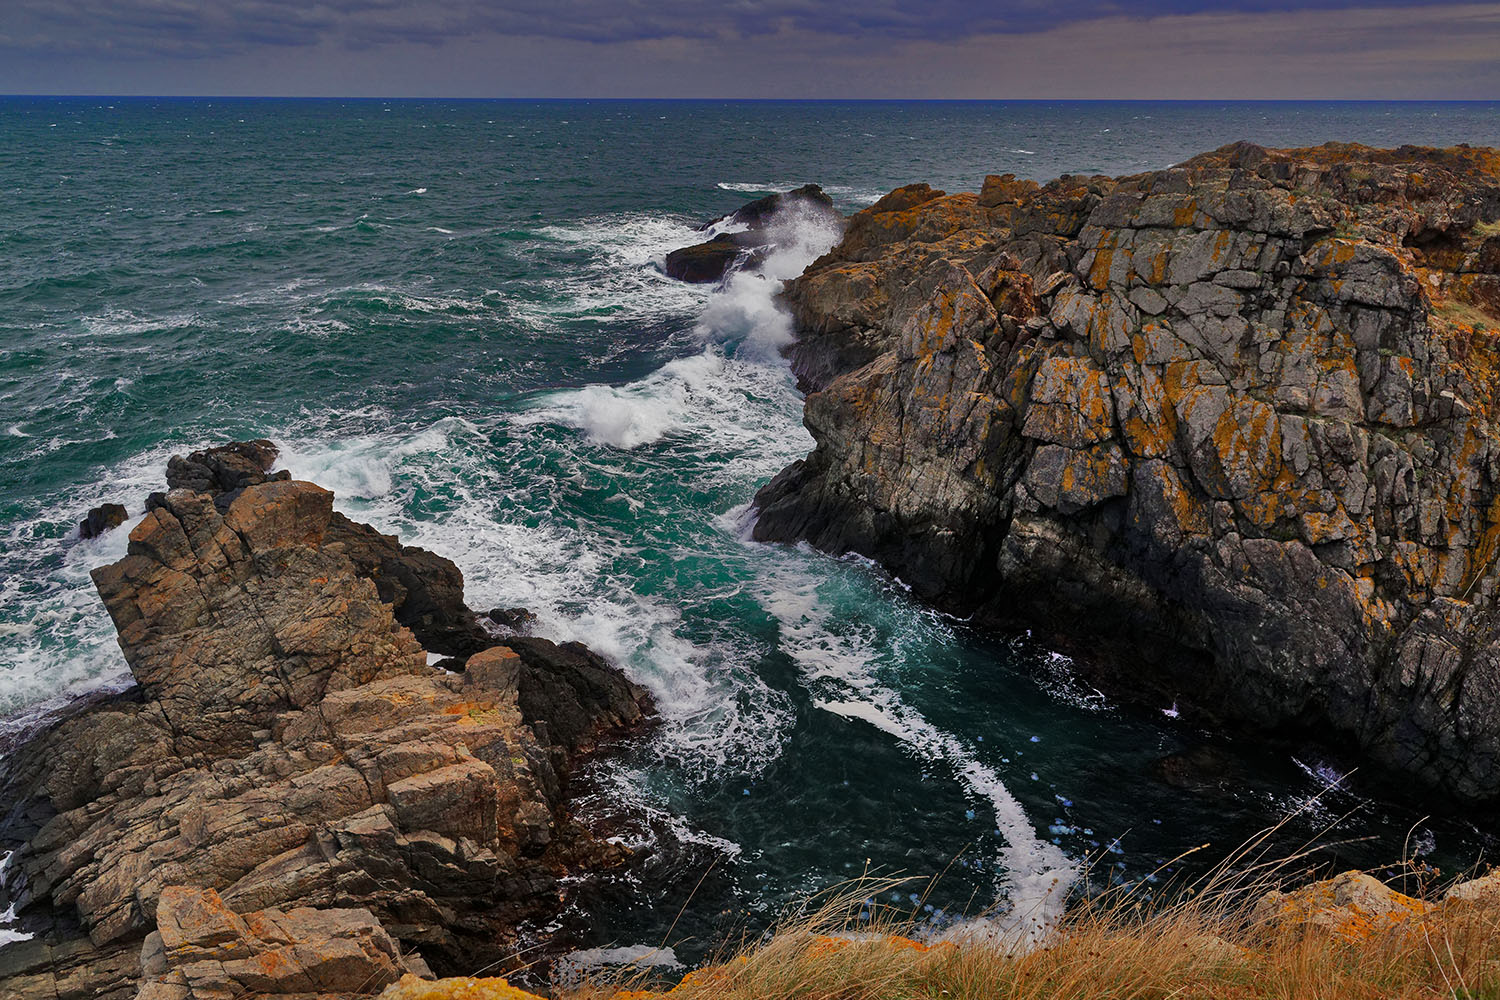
column 1351, row 937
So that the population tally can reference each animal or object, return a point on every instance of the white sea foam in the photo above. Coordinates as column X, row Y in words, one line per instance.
column 624, row 279
column 125, row 323
column 838, row 663
column 56, row 640
column 842, row 192
column 575, row 965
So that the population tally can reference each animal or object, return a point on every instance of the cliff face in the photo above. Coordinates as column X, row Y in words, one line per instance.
column 293, row 799
column 1225, row 432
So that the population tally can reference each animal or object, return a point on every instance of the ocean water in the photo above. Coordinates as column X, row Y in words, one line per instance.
column 452, row 314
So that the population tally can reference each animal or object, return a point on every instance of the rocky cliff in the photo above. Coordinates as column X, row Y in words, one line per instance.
column 292, row 801
column 1224, row 432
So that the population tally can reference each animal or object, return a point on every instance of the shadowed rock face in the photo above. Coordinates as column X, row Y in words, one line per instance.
column 288, row 747
column 724, row 252
column 1225, row 432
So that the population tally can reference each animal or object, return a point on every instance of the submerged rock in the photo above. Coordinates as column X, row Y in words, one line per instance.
column 290, row 766
column 711, row 260
column 1225, row 433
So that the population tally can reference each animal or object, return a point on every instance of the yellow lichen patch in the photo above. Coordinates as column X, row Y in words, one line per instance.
column 1353, row 906
column 471, row 711
column 461, row 988
column 1247, row 437
column 1185, row 213
column 1104, row 257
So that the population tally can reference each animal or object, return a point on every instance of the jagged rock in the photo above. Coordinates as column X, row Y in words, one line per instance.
column 203, row 950
column 287, row 747
column 1224, row 433
column 711, row 260
column 224, row 471
column 514, row 621
column 1352, row 905
column 425, row 590
column 102, row 518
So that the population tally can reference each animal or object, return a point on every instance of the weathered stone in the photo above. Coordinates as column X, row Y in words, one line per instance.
column 1352, row 905
column 288, row 746
column 102, row 518
column 205, row 951
column 1228, row 437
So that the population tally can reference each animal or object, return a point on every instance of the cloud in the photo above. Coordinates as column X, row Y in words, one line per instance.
column 193, row 29
column 447, row 48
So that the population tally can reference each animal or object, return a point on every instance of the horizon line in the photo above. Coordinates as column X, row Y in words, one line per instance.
column 767, row 100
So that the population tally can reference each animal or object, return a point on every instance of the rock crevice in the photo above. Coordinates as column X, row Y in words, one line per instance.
column 290, row 759
column 1223, row 432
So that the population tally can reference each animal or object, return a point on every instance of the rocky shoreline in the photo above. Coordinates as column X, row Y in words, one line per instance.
column 292, row 800
column 1225, row 433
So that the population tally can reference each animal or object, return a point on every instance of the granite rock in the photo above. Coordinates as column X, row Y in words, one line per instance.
column 1224, row 433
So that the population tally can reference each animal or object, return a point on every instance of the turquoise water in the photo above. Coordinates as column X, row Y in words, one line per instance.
column 452, row 314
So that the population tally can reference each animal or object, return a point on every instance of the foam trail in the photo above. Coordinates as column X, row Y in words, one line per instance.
column 837, row 666
column 574, row 966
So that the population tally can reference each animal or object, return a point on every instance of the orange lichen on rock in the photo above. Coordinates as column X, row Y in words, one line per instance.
column 1262, row 380
column 461, row 988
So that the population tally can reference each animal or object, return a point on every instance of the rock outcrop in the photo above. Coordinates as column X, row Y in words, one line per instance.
column 101, row 519
column 1224, row 432
column 290, row 765
column 742, row 238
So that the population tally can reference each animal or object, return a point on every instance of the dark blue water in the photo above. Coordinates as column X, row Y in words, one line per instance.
column 452, row 314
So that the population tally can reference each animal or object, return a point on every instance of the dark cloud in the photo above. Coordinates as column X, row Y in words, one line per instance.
column 191, row 29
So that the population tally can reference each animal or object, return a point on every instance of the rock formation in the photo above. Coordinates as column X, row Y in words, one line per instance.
column 743, row 237
column 101, row 519
column 1224, row 432
column 292, row 799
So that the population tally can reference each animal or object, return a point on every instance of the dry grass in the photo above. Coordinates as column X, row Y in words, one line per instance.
column 1465, row 314
column 1487, row 229
column 1209, row 942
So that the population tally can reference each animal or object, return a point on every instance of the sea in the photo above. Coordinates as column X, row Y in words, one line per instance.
column 454, row 315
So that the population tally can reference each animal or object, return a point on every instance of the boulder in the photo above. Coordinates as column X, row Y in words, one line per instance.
column 203, row 950
column 706, row 262
column 748, row 244
column 102, row 518
column 225, row 470
column 1353, row 905
column 1224, row 433
column 1484, row 890
column 759, row 213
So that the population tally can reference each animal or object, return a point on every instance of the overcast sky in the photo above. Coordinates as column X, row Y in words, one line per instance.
column 753, row 48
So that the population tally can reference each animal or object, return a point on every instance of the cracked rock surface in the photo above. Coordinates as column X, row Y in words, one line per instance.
column 291, row 770
column 1224, row 432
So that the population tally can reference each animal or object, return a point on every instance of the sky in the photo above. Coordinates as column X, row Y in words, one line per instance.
column 814, row 49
